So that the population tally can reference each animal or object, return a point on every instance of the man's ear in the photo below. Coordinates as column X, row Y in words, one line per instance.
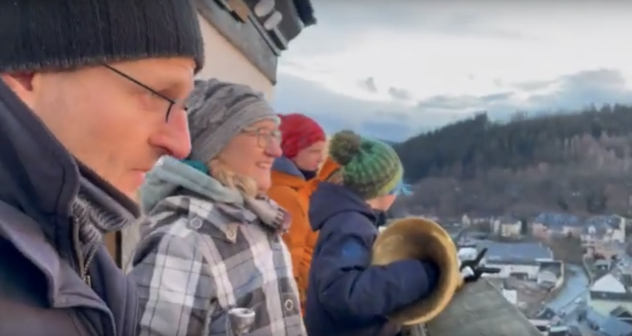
column 21, row 84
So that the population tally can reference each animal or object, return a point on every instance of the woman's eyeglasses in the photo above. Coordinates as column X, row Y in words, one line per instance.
column 264, row 136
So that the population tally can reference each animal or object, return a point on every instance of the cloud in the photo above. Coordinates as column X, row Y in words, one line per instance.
column 335, row 112
column 399, row 94
column 530, row 85
column 602, row 86
column 427, row 16
column 565, row 93
column 445, row 102
column 397, row 121
column 395, row 70
column 464, row 25
column 368, row 84
column 341, row 22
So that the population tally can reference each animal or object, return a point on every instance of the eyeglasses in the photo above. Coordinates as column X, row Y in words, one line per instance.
column 264, row 136
column 171, row 102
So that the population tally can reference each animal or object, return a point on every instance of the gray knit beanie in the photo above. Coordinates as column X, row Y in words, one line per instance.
column 218, row 111
column 61, row 35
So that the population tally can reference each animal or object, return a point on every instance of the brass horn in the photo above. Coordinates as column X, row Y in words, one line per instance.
column 423, row 239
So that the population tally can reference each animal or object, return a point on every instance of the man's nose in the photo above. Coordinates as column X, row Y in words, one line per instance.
column 174, row 136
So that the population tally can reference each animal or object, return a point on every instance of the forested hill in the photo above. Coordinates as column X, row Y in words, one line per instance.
column 567, row 162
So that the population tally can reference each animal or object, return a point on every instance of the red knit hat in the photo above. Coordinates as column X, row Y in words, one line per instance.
column 299, row 132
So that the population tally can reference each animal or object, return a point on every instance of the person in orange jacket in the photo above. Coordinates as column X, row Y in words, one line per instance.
column 328, row 167
column 293, row 180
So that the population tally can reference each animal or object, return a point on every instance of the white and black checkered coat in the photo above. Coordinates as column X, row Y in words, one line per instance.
column 186, row 291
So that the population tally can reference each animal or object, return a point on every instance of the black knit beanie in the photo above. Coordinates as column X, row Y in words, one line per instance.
column 49, row 35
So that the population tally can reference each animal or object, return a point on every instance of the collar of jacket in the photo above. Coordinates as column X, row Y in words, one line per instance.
column 285, row 173
column 328, row 168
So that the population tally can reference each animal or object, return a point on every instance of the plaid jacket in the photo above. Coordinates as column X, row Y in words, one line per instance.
column 184, row 294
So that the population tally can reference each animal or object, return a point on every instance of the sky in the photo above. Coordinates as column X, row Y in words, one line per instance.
column 393, row 69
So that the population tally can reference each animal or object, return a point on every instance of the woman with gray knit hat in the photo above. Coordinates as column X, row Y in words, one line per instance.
column 212, row 252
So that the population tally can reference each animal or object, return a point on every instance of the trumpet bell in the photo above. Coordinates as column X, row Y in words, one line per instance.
column 422, row 239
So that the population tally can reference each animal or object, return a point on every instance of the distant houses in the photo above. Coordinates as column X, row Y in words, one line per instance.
column 592, row 231
column 605, row 325
column 603, row 236
column 611, row 293
column 606, row 306
column 609, row 306
column 504, row 226
column 602, row 266
column 605, row 313
column 521, row 260
column 553, row 225
column 527, row 261
column 550, row 274
column 599, row 235
column 507, row 227
column 603, row 229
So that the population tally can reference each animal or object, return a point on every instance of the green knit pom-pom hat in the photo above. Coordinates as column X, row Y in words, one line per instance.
column 369, row 167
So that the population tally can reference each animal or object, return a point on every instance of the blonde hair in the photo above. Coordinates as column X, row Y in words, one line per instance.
column 230, row 179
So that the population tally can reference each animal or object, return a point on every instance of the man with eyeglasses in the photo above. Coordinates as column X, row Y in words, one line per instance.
column 90, row 99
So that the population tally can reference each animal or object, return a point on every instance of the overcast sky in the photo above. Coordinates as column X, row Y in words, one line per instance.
column 395, row 68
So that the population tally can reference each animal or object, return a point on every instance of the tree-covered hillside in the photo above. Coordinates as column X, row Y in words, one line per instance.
column 579, row 163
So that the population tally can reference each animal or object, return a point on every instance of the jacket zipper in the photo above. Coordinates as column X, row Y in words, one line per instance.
column 91, row 254
column 83, row 265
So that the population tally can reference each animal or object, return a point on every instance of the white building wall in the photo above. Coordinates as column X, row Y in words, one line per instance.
column 506, row 270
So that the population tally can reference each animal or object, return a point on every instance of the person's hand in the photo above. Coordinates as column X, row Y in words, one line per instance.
column 473, row 273
column 472, row 270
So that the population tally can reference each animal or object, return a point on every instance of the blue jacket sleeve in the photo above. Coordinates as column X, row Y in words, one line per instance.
column 349, row 287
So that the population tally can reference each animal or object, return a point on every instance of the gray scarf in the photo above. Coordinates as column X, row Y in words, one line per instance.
column 268, row 213
column 97, row 213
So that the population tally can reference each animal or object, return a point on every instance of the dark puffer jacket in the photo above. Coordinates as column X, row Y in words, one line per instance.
column 346, row 295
